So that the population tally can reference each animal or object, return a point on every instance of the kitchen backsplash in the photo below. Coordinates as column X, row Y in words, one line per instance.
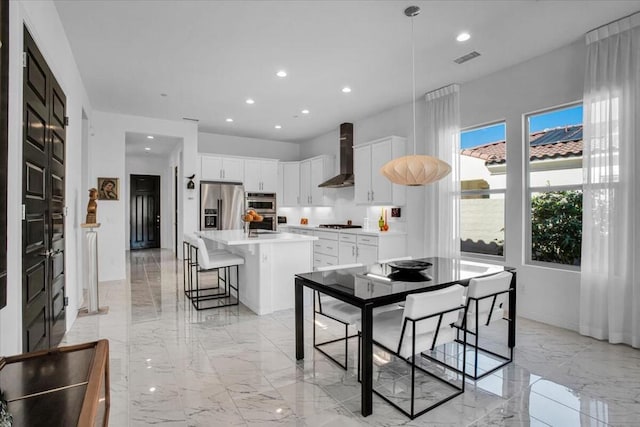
column 344, row 209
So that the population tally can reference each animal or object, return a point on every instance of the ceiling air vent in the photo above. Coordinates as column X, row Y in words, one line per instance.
column 468, row 57
column 190, row 119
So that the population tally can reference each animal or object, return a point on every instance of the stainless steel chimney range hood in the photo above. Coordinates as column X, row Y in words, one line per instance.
column 345, row 178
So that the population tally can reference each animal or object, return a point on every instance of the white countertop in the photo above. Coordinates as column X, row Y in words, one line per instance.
column 367, row 232
column 239, row 237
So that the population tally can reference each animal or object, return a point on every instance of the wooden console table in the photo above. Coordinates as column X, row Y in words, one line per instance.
column 64, row 386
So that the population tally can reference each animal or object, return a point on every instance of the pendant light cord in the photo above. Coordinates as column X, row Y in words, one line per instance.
column 413, row 87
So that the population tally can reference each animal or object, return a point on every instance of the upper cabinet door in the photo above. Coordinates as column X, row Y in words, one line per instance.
column 362, row 172
column 269, row 172
column 305, row 183
column 211, row 168
column 381, row 187
column 233, row 169
column 317, row 178
column 252, row 181
column 290, row 184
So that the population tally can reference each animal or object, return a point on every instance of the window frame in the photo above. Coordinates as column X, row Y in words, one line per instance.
column 477, row 255
column 528, row 190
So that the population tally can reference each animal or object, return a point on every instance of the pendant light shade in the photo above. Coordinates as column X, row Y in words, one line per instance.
column 415, row 169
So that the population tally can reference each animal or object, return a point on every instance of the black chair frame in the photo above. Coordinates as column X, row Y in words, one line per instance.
column 504, row 359
column 316, row 345
column 459, row 389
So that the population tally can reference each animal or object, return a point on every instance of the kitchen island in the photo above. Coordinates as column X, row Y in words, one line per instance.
column 270, row 262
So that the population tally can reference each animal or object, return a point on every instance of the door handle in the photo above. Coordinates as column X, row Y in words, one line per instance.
column 46, row 253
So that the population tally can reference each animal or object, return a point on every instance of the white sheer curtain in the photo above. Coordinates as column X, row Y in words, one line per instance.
column 610, row 277
column 442, row 126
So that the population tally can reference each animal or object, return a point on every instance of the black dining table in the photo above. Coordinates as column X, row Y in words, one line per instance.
column 377, row 285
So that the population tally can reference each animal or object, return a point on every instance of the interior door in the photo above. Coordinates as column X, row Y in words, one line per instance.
column 44, row 135
column 145, row 212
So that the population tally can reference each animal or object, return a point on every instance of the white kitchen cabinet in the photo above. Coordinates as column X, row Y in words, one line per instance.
column 216, row 168
column 325, row 249
column 368, row 248
column 290, row 177
column 260, row 175
column 314, row 172
column 371, row 187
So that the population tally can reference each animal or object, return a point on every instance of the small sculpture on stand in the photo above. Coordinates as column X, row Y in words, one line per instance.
column 92, row 207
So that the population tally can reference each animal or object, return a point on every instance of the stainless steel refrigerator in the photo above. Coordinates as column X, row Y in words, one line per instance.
column 221, row 206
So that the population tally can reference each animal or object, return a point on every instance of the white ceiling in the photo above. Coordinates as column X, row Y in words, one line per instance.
column 209, row 56
column 160, row 145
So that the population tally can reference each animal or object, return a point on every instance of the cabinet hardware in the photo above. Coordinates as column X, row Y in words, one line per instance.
column 353, row 251
column 372, row 195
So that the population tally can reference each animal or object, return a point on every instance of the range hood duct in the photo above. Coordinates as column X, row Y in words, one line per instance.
column 345, row 178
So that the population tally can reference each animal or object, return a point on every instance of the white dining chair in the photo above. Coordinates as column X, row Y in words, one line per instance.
column 339, row 311
column 424, row 323
column 486, row 299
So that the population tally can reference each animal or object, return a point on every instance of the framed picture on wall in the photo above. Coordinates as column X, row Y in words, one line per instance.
column 108, row 189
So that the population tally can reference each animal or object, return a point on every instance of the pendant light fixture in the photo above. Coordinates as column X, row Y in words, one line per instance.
column 414, row 169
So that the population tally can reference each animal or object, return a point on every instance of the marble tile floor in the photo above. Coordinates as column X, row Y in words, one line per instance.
column 174, row 366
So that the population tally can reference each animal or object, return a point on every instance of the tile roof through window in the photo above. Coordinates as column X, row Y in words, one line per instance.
column 563, row 141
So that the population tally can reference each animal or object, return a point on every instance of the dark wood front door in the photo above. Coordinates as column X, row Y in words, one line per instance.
column 44, row 135
column 145, row 212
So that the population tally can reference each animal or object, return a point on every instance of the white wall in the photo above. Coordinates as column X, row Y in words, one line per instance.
column 44, row 25
column 151, row 165
column 250, row 147
column 107, row 158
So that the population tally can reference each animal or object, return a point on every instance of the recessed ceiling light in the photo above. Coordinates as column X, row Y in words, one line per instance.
column 281, row 73
column 346, row 89
column 228, row 120
column 278, row 127
column 250, row 101
column 463, row 37
column 305, row 111
column 149, row 137
column 152, row 389
column 147, row 148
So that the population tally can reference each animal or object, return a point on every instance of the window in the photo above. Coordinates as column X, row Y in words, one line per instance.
column 483, row 166
column 554, row 181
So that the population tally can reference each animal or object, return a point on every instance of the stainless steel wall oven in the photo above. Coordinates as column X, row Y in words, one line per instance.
column 265, row 205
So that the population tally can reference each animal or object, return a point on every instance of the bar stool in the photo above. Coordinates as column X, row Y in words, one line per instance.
column 205, row 260
column 189, row 261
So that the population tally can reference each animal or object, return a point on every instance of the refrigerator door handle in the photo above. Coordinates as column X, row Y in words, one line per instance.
column 220, row 217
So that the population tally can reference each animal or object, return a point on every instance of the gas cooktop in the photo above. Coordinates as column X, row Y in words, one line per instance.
column 338, row 226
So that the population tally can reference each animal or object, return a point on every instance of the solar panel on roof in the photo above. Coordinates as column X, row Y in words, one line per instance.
column 569, row 133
